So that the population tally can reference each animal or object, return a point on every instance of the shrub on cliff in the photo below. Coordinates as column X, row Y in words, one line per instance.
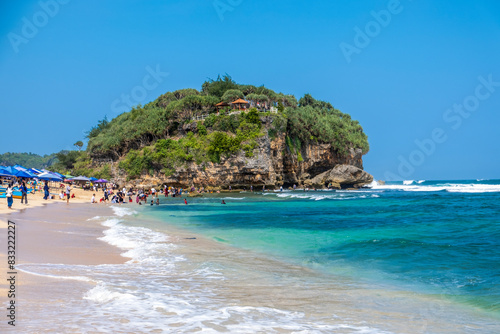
column 325, row 125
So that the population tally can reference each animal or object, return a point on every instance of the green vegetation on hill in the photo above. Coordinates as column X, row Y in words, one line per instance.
column 28, row 160
column 184, row 126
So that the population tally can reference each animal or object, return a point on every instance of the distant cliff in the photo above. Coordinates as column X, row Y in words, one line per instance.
column 228, row 134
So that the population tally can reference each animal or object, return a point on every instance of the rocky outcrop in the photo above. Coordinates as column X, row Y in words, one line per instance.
column 273, row 164
column 341, row 177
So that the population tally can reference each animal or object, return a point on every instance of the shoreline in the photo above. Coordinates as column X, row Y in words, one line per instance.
column 56, row 234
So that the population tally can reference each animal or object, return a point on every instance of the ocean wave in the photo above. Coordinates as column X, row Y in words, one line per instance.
column 323, row 195
column 449, row 187
column 121, row 212
column 139, row 243
column 100, row 294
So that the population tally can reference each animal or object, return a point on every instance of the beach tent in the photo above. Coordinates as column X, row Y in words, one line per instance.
column 35, row 171
column 58, row 174
column 21, row 173
column 93, row 179
column 102, row 181
column 80, row 178
column 19, row 167
column 2, row 173
column 47, row 176
column 10, row 170
column 68, row 176
column 5, row 171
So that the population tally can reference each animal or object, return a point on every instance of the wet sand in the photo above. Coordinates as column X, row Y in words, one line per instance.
column 54, row 233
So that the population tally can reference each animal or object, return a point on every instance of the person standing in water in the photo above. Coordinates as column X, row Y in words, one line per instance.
column 185, row 201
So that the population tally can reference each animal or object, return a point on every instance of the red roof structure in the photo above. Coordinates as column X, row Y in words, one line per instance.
column 240, row 101
column 240, row 104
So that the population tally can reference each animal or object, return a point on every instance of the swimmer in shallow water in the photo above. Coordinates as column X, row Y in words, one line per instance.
column 223, row 202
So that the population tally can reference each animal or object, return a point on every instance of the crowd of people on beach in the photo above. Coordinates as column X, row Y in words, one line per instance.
column 115, row 195
column 111, row 193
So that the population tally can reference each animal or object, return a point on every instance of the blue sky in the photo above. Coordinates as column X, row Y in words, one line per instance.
column 422, row 77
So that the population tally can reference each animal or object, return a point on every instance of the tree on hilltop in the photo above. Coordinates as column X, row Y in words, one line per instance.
column 79, row 144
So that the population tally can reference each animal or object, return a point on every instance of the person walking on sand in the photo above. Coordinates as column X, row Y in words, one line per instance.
column 24, row 193
column 8, row 194
column 46, row 190
column 68, row 191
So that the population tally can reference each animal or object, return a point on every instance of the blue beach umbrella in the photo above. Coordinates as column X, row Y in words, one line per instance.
column 21, row 173
column 10, row 170
column 19, row 167
column 5, row 171
column 35, row 171
column 47, row 176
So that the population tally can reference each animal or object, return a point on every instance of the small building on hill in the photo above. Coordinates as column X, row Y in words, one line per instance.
column 240, row 104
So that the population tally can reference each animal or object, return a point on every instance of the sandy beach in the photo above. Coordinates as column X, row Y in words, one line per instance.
column 50, row 232
column 36, row 200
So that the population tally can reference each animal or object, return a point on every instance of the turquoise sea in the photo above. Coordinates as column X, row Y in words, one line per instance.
column 405, row 257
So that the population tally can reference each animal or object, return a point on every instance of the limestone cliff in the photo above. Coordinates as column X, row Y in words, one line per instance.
column 272, row 165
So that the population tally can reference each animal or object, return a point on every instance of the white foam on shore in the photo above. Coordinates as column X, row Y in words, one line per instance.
column 20, row 267
column 100, row 294
column 121, row 211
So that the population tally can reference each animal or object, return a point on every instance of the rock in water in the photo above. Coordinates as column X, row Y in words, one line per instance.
column 341, row 177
